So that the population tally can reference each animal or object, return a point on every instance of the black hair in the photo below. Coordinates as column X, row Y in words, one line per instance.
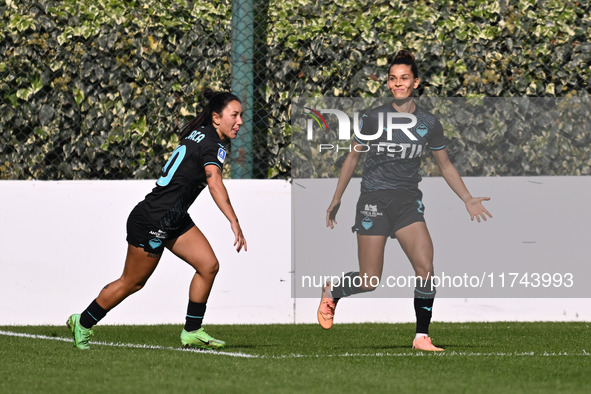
column 405, row 57
column 212, row 102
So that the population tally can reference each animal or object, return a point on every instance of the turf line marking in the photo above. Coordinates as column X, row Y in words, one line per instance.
column 294, row 355
column 133, row 345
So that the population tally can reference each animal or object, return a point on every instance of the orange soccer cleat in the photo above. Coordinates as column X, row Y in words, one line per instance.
column 424, row 343
column 326, row 309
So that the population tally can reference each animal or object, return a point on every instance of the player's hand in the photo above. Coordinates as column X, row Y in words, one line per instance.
column 476, row 209
column 239, row 240
column 331, row 213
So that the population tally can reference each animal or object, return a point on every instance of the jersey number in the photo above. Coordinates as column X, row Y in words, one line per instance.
column 172, row 165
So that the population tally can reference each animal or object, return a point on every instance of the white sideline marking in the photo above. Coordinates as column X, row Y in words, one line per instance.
column 132, row 345
column 293, row 355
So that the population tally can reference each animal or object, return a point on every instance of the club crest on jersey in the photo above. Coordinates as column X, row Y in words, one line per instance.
column 221, row 155
column 422, row 130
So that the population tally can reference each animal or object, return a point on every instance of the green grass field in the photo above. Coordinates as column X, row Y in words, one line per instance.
column 353, row 358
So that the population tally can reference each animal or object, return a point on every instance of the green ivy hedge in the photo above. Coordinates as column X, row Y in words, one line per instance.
column 96, row 89
column 485, row 135
column 463, row 48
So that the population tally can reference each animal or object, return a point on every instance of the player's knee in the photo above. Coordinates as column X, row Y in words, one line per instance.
column 210, row 270
column 424, row 271
column 215, row 267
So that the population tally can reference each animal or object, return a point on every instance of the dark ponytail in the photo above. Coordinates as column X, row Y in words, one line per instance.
column 212, row 102
column 405, row 57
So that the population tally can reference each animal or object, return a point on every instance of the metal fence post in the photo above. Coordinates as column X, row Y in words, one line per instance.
column 242, row 85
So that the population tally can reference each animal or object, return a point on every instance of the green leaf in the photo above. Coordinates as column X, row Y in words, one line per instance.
column 24, row 94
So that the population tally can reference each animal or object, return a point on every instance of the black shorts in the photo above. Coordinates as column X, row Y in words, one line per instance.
column 142, row 234
column 384, row 212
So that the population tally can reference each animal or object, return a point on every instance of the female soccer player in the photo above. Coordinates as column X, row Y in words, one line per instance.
column 161, row 221
column 390, row 201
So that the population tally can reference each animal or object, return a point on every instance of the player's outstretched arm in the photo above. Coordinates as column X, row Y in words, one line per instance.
column 345, row 176
column 455, row 182
column 220, row 195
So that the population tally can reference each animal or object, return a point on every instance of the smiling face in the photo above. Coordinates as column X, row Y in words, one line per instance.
column 229, row 121
column 401, row 81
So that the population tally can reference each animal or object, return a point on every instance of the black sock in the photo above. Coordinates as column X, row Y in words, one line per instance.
column 423, row 312
column 92, row 315
column 349, row 284
column 195, row 313
column 424, row 297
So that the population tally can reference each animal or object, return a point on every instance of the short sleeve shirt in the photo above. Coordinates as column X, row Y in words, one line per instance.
column 183, row 178
column 393, row 159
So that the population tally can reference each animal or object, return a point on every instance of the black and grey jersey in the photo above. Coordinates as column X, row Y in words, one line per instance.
column 183, row 178
column 393, row 158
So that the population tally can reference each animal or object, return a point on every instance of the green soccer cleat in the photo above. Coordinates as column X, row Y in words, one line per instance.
column 199, row 338
column 81, row 335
